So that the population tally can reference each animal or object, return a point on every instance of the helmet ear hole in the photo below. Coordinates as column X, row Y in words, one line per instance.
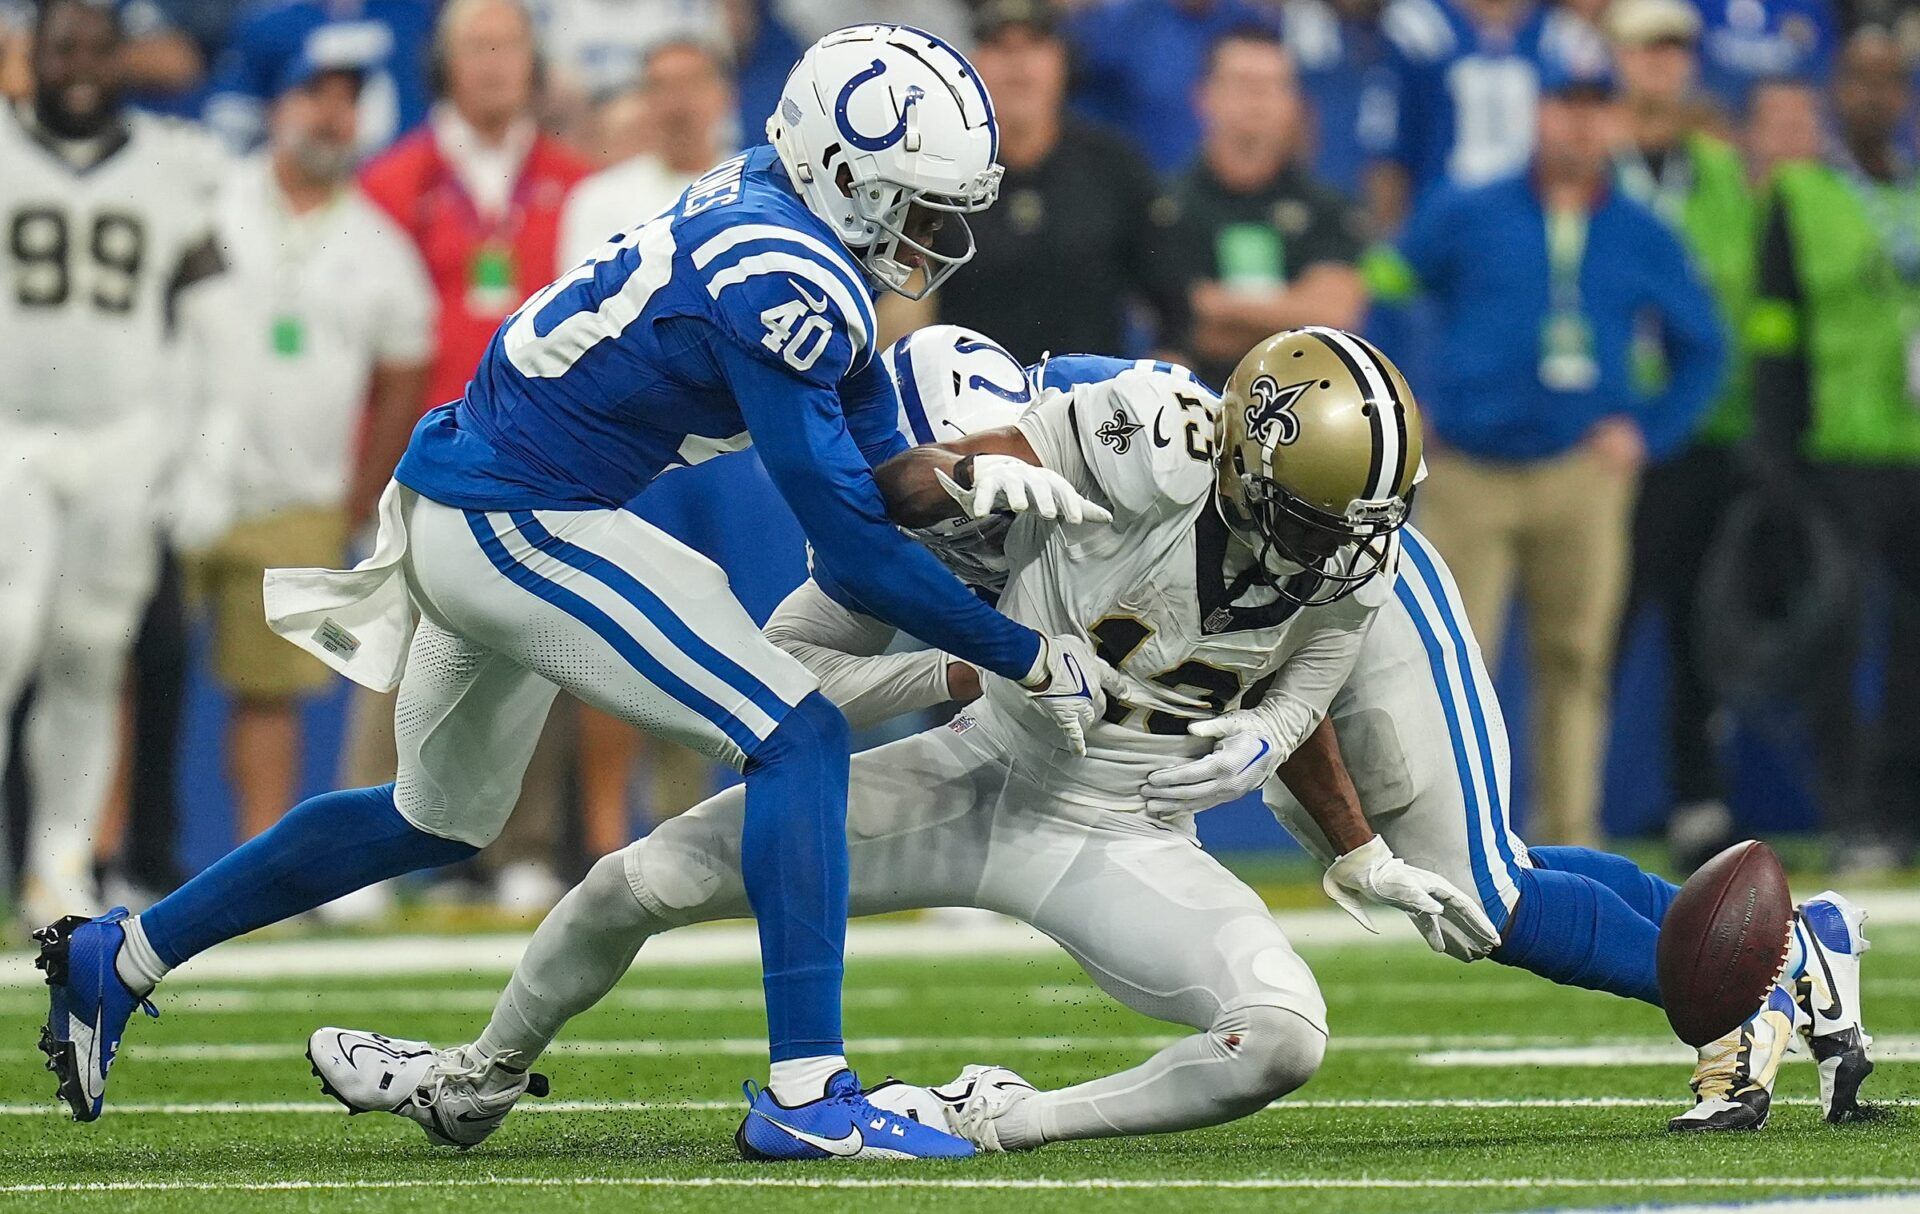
column 843, row 179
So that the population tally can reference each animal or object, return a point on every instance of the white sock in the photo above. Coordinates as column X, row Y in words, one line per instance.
column 137, row 964
column 803, row 1080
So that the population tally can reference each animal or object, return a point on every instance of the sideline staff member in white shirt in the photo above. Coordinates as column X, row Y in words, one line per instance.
column 312, row 353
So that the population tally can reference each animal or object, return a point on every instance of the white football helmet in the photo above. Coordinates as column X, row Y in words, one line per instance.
column 876, row 120
column 954, row 382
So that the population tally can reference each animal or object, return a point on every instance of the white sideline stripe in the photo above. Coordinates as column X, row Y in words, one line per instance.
column 332, row 1108
column 724, row 943
column 1874, row 1204
column 746, row 1047
column 1645, row 1053
column 962, row 1183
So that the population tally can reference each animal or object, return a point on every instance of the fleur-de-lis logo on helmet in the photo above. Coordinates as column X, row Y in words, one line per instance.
column 1270, row 418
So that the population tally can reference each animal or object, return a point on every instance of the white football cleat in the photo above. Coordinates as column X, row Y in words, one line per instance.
column 1733, row 1082
column 444, row 1091
column 965, row 1107
column 1830, row 929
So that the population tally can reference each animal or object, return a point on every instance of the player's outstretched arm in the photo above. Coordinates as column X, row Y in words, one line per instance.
column 1366, row 871
column 846, row 650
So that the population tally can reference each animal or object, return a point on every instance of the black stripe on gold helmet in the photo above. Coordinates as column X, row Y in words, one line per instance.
column 1320, row 452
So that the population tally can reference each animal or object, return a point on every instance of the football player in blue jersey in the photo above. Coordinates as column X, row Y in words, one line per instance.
column 506, row 569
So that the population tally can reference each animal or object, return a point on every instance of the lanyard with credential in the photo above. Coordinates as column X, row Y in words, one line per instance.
column 1566, row 339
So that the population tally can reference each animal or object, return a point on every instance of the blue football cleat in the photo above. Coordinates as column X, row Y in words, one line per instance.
column 89, row 1006
column 840, row 1125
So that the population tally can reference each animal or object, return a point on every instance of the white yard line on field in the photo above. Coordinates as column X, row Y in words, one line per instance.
column 677, row 1047
column 207, row 1000
column 332, row 1108
column 1642, row 1053
column 737, row 943
column 980, row 1183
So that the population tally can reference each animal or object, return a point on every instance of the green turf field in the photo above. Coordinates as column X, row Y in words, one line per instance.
column 1447, row 1088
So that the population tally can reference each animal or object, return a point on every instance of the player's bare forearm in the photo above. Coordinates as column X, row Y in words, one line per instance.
column 912, row 490
column 1317, row 777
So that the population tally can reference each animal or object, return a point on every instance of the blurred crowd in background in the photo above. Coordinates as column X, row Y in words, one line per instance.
column 1653, row 267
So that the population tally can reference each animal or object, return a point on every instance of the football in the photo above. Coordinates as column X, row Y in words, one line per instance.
column 1723, row 941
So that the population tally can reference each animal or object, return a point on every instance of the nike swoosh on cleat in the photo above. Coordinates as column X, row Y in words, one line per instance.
column 348, row 1050
column 845, row 1147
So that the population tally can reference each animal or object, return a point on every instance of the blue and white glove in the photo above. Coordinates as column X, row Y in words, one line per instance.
column 1069, row 684
column 1244, row 755
column 1371, row 874
column 987, row 483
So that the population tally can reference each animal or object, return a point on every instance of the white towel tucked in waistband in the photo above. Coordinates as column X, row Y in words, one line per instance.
column 358, row 621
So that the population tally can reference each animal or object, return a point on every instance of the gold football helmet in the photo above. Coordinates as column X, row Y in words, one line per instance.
column 1320, row 453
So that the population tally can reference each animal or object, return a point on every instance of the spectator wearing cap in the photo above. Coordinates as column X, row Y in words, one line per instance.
column 1835, row 330
column 1698, row 184
column 310, row 352
column 1271, row 247
column 1137, row 62
column 1080, row 233
column 390, row 36
column 1537, row 425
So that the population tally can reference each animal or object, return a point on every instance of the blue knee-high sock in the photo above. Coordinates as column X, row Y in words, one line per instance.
column 1647, row 894
column 1576, row 931
column 793, row 856
column 325, row 847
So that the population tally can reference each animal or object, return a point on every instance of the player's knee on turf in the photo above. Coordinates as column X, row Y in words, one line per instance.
column 1274, row 1051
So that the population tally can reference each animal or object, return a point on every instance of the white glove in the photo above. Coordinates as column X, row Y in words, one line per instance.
column 1241, row 760
column 1372, row 873
column 1003, row 481
column 1068, row 684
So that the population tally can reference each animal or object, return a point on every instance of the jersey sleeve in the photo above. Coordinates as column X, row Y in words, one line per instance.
column 786, row 299
column 1143, row 441
column 846, row 651
column 801, row 435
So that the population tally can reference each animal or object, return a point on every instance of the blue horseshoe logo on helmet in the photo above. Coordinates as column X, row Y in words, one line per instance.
column 873, row 143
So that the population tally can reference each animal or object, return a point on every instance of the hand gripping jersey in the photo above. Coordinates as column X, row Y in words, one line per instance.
column 1151, row 591
column 625, row 366
column 93, row 257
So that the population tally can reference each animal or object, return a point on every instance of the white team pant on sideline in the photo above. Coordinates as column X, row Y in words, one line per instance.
column 1423, row 736
column 515, row 605
column 78, row 557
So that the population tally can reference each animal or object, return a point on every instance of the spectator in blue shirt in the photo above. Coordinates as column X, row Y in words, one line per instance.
column 1748, row 42
column 394, row 36
column 1454, row 100
column 1537, row 430
column 1340, row 52
column 1137, row 62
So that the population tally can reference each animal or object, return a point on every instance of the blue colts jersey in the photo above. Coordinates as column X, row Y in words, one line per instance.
column 1064, row 372
column 734, row 317
column 618, row 370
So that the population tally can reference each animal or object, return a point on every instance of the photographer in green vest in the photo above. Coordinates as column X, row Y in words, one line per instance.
column 1698, row 184
column 1835, row 332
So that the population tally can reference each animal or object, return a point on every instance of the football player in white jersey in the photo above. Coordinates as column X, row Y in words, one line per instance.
column 106, row 217
column 1248, row 579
